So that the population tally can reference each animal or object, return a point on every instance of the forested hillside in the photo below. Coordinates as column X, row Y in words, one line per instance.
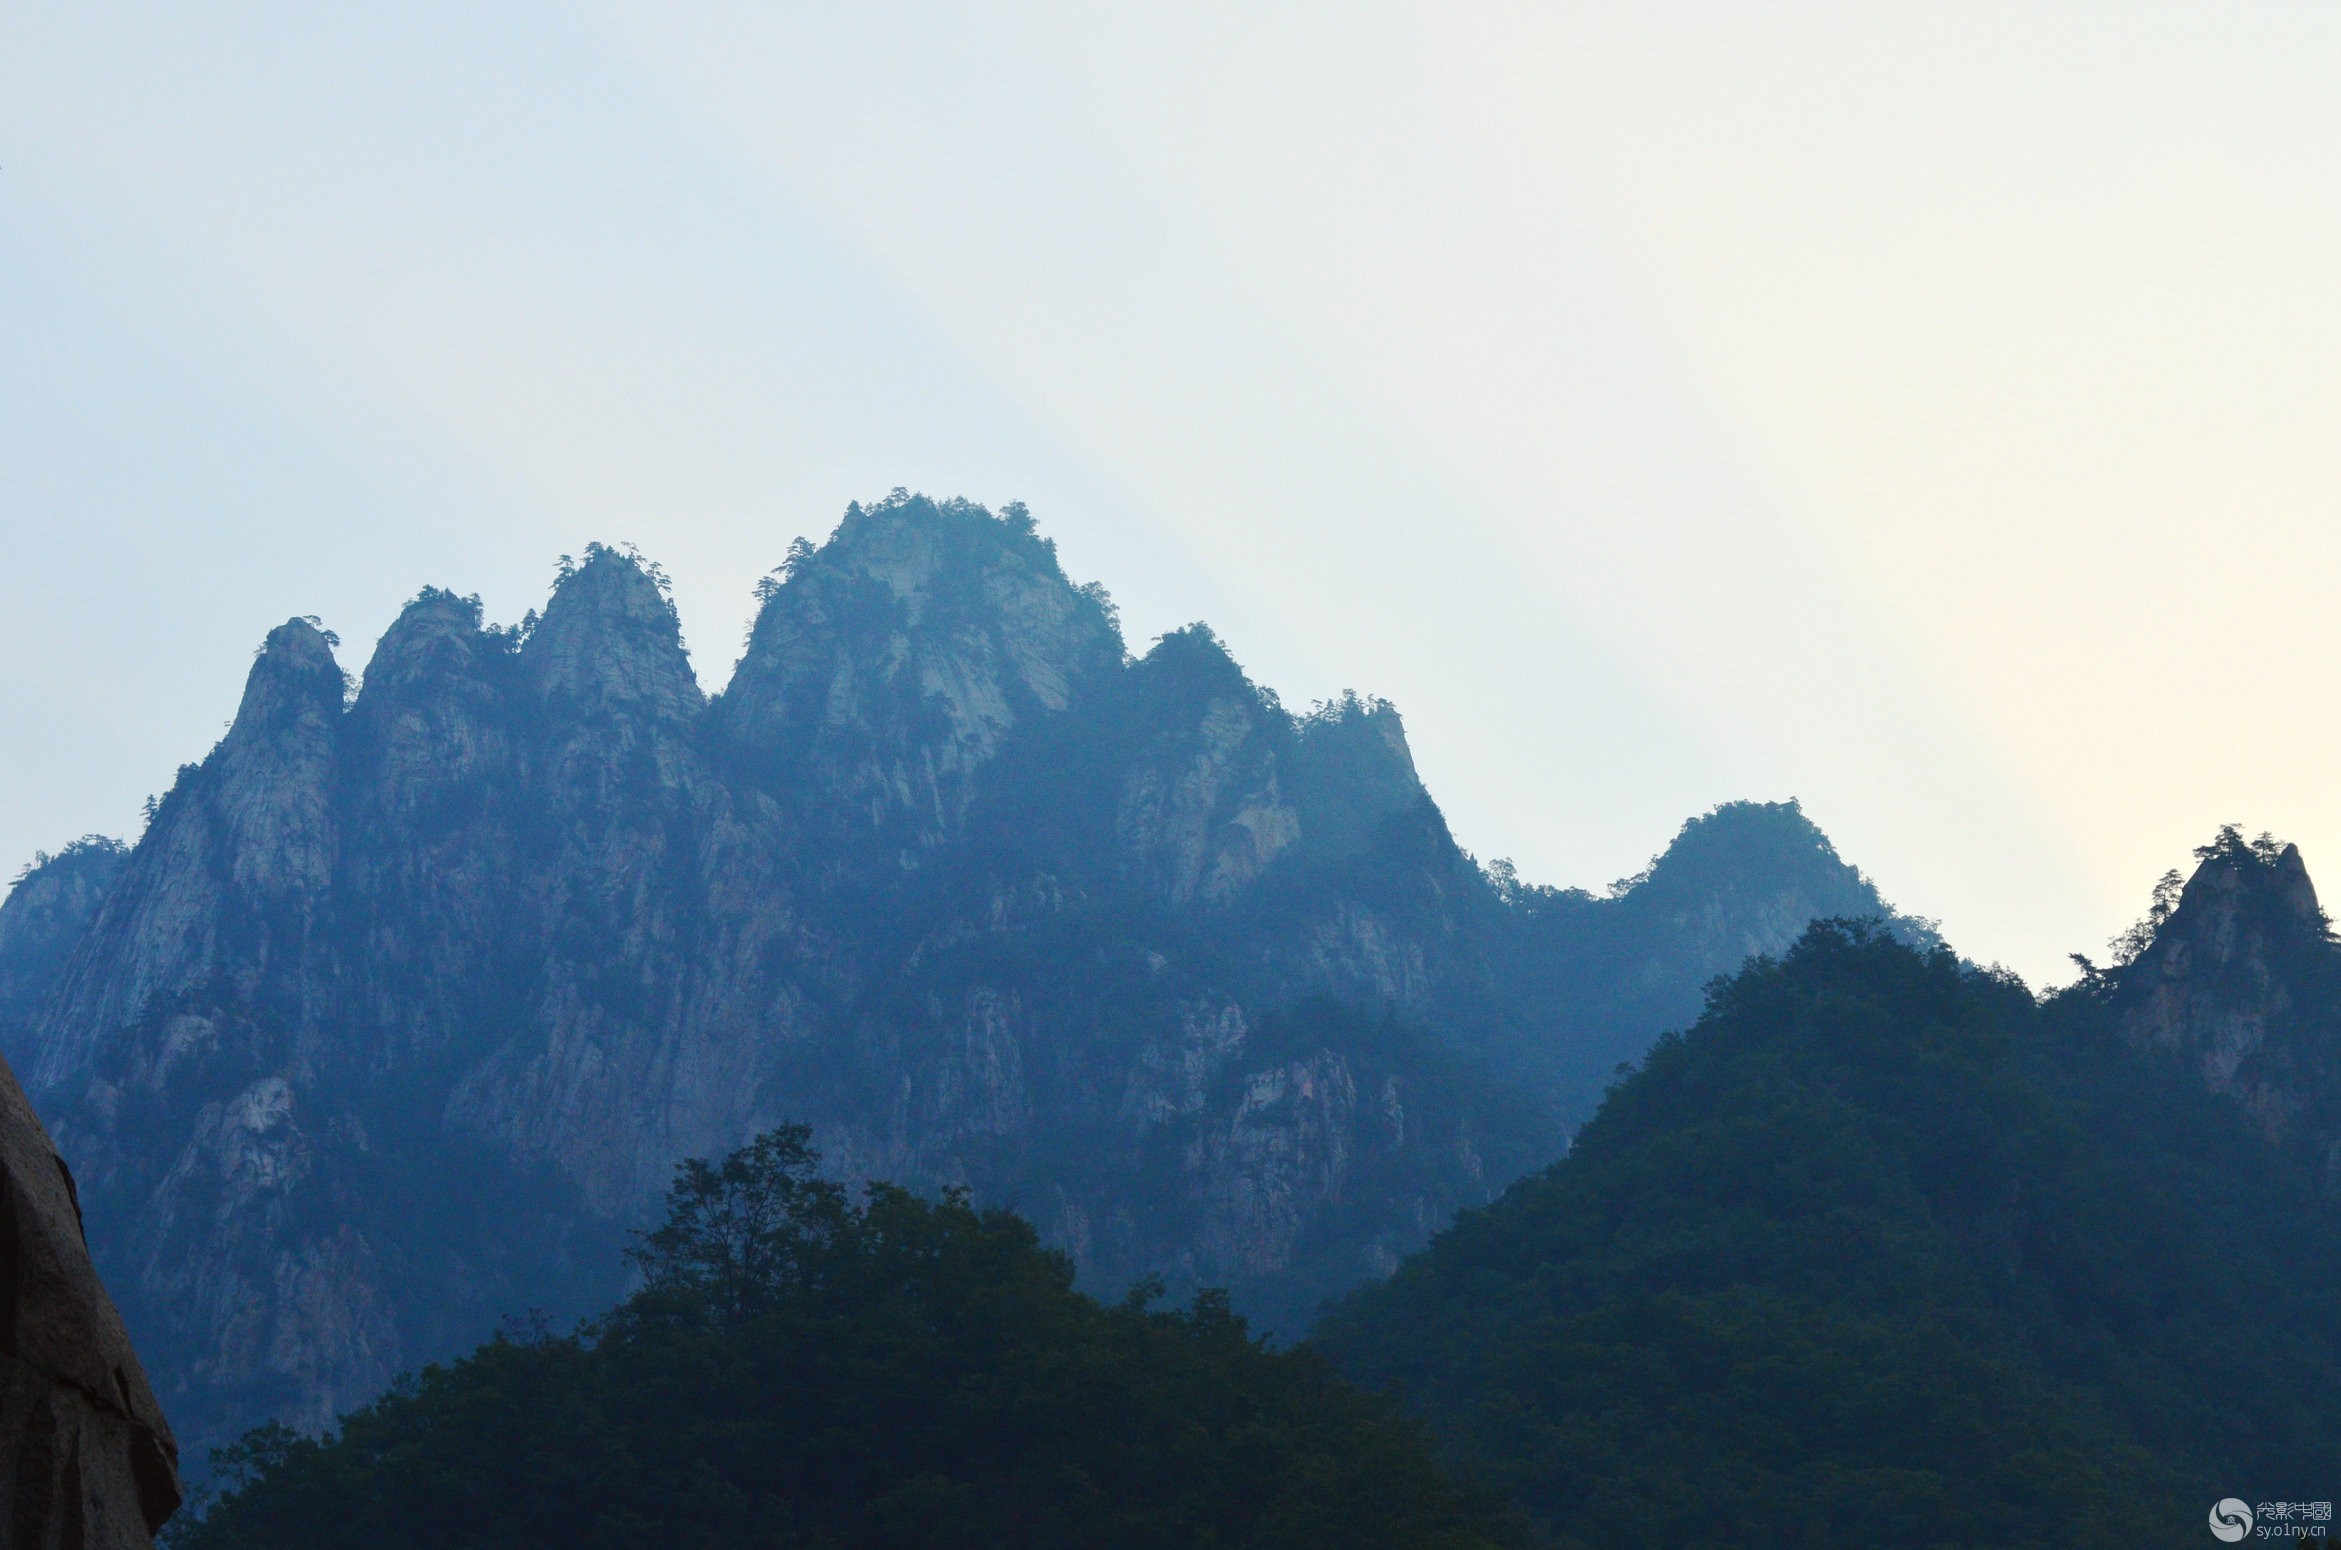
column 1883, row 1251
column 802, row 1370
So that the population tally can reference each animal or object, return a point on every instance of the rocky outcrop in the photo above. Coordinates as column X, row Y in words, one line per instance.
column 227, row 884
column 44, row 916
column 897, row 660
column 2241, row 981
column 407, row 1003
column 87, row 1461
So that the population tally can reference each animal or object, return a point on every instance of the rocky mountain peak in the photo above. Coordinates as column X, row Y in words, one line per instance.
column 1764, row 838
column 1746, row 877
column 267, row 781
column 1195, row 662
column 1742, row 880
column 433, row 714
column 294, row 682
column 1201, row 810
column 230, row 874
column 917, row 548
column 1353, row 772
column 957, row 558
column 2242, row 980
column 610, row 641
column 436, row 636
column 2243, row 885
column 1370, row 730
column 887, row 666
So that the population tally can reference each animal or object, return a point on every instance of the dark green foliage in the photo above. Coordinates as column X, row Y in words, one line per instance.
column 743, row 1233
column 1882, row 1252
column 802, row 1372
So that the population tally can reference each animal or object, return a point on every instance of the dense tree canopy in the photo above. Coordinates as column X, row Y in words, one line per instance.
column 1883, row 1252
column 801, row 1370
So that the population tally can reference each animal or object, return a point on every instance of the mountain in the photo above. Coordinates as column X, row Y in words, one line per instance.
column 898, row 1373
column 401, row 1010
column 1882, row 1250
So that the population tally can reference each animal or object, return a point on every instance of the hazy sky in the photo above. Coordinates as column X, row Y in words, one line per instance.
column 1933, row 413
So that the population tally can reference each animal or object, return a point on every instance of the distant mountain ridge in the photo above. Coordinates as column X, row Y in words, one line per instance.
column 406, row 1002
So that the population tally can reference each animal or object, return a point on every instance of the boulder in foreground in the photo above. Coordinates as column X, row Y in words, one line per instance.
column 87, row 1461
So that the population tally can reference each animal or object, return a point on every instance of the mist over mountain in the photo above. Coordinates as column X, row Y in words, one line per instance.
column 406, row 1002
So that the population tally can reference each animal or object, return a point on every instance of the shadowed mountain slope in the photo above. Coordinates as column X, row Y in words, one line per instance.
column 1883, row 1251
column 407, row 1000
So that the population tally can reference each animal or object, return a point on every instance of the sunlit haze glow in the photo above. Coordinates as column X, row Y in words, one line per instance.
column 1926, row 412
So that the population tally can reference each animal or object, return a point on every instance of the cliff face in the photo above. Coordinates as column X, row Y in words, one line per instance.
column 406, row 1004
column 2242, row 982
column 42, row 919
column 87, row 1461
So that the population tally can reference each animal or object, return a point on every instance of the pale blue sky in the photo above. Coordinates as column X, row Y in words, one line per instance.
column 1926, row 412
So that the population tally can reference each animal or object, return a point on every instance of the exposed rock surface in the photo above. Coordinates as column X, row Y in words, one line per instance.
column 406, row 1004
column 2241, row 979
column 41, row 920
column 87, row 1461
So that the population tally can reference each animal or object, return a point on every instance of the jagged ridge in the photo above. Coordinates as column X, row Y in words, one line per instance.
column 405, row 1004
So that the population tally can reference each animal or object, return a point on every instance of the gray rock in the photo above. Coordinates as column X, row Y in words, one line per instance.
column 2242, row 982
column 45, row 915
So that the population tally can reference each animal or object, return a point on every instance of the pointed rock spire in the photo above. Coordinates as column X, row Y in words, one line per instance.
column 269, row 778
column 436, row 636
column 433, row 714
column 294, row 683
column 2243, row 982
column 610, row 642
